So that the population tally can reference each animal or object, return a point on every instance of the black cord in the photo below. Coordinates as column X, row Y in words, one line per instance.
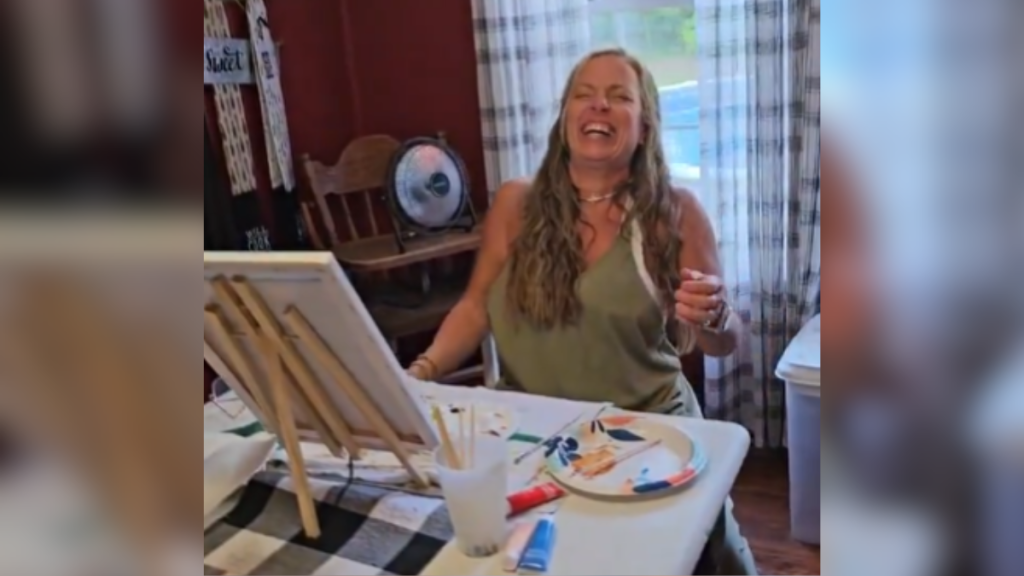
column 350, row 480
column 277, row 465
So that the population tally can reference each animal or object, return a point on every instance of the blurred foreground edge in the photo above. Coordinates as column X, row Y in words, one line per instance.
column 95, row 337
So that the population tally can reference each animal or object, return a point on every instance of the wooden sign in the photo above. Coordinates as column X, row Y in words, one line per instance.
column 275, row 124
column 227, row 61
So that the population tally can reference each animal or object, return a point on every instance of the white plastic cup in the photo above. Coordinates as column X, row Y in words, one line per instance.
column 477, row 496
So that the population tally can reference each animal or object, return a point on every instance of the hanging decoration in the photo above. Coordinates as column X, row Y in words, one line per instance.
column 237, row 143
column 290, row 232
column 230, row 112
column 275, row 123
column 261, row 57
column 226, row 61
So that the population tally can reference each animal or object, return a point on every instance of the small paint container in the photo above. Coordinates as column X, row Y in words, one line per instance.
column 526, row 500
column 517, row 543
column 537, row 556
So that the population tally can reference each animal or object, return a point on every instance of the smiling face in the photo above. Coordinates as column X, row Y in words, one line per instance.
column 603, row 115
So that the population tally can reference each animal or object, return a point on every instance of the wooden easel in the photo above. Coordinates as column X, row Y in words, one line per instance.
column 291, row 388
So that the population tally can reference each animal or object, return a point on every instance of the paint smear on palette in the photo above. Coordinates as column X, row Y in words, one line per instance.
column 593, row 461
column 596, row 463
column 643, row 478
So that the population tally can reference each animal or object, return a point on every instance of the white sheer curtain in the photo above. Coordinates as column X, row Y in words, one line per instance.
column 760, row 181
column 525, row 52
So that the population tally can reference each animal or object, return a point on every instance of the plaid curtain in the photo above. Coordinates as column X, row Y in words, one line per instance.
column 525, row 52
column 760, row 180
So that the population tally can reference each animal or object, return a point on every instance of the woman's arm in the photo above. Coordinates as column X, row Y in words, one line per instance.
column 700, row 254
column 464, row 329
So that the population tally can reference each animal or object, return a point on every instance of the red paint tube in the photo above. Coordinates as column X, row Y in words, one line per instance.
column 526, row 500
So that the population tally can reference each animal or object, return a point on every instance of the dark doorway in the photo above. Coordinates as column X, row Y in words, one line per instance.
column 219, row 230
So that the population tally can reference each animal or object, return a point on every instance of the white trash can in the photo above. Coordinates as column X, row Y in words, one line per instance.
column 800, row 367
column 996, row 431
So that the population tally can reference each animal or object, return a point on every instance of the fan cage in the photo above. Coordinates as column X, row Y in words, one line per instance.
column 407, row 227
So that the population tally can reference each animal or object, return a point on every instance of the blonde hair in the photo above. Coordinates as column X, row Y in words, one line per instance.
column 547, row 257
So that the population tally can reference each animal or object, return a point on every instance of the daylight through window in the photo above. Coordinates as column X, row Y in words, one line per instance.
column 663, row 34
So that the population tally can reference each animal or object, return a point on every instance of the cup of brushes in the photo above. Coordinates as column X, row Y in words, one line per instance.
column 473, row 472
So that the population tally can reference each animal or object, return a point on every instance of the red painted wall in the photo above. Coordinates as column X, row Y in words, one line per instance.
column 318, row 88
column 415, row 74
column 352, row 68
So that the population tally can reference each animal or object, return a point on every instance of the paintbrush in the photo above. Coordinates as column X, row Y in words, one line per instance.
column 563, row 430
column 472, row 435
column 463, row 446
column 450, row 454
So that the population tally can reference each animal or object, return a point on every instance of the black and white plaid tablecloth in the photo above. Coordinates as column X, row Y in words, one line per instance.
column 366, row 530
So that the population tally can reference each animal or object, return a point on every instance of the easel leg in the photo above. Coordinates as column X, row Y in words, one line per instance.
column 343, row 378
column 240, row 363
column 329, row 432
column 290, row 438
column 315, row 398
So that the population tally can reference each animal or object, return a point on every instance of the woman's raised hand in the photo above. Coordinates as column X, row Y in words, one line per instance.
column 700, row 299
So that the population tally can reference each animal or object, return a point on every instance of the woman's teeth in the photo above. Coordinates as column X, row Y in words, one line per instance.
column 597, row 130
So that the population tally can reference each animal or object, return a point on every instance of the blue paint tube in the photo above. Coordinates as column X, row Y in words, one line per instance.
column 537, row 557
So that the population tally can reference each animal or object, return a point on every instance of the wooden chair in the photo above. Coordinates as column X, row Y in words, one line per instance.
column 692, row 360
column 361, row 170
column 358, row 180
column 693, row 369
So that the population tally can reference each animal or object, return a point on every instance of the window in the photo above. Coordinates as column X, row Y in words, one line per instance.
column 663, row 34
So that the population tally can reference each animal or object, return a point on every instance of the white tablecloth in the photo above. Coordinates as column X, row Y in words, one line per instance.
column 659, row 537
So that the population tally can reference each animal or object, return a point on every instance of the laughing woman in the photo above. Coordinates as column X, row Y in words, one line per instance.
column 583, row 268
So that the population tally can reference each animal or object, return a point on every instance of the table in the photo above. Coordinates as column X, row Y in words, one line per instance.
column 659, row 537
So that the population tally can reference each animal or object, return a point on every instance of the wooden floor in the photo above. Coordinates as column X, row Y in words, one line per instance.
column 762, row 509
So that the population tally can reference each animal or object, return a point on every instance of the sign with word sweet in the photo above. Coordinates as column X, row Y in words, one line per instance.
column 227, row 61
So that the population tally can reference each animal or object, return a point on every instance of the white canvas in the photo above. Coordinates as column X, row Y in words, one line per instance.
column 314, row 284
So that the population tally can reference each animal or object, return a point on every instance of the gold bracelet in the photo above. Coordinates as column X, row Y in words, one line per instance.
column 418, row 370
column 432, row 370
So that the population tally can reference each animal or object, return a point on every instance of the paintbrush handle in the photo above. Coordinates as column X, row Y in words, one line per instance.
column 543, row 443
column 562, row 430
column 472, row 435
column 450, row 454
column 636, row 451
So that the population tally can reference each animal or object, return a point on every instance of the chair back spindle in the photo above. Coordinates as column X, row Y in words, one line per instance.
column 361, row 170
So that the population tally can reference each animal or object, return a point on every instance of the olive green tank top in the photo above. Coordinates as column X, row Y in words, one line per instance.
column 618, row 351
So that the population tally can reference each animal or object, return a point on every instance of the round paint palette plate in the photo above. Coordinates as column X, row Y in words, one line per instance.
column 624, row 457
column 499, row 421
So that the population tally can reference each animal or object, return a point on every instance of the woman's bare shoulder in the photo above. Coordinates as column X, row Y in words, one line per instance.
column 686, row 198
column 509, row 199
column 503, row 219
column 512, row 192
column 690, row 209
column 700, row 247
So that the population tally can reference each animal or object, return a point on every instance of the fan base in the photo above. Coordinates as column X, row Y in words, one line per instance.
column 406, row 233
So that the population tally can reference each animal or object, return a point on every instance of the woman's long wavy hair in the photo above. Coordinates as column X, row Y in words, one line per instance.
column 547, row 260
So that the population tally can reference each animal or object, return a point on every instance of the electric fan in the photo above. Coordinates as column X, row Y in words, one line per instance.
column 428, row 190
